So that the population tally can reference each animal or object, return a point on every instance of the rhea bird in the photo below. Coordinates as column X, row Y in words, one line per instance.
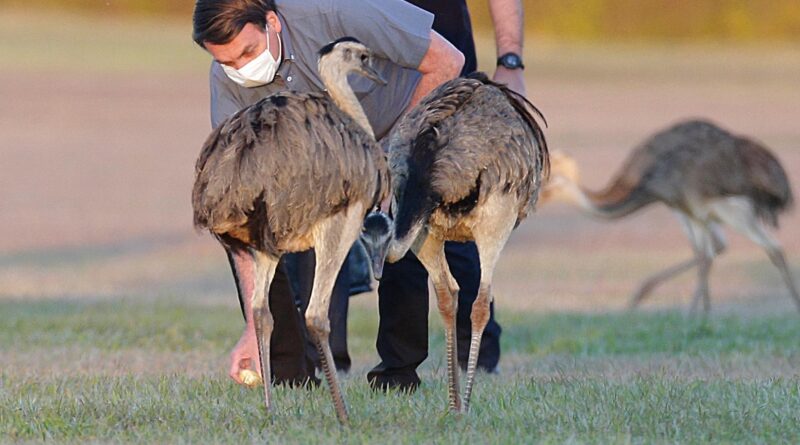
column 295, row 171
column 466, row 165
column 709, row 177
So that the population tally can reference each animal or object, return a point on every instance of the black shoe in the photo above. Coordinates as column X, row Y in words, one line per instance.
column 404, row 381
column 342, row 364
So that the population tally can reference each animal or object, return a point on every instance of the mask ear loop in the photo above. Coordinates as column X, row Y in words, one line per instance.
column 280, row 44
column 280, row 47
column 266, row 29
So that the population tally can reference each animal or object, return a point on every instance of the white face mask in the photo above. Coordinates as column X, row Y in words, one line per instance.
column 257, row 72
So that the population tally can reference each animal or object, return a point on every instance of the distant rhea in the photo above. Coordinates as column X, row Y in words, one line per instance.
column 467, row 164
column 708, row 177
column 292, row 172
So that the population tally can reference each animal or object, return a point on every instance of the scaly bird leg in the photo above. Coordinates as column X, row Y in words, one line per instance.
column 431, row 255
column 707, row 242
column 778, row 259
column 264, row 271
column 744, row 219
column 654, row 280
column 701, row 292
column 491, row 235
column 479, row 317
column 332, row 241
column 649, row 284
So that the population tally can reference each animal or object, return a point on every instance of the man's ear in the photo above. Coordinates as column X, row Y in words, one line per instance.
column 273, row 21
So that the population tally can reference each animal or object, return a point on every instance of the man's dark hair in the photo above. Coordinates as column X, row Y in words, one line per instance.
column 219, row 21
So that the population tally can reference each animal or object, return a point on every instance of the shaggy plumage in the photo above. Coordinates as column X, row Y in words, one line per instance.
column 466, row 140
column 294, row 171
column 709, row 177
column 467, row 164
column 697, row 160
column 260, row 169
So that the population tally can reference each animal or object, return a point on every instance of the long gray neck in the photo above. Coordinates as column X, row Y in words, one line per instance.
column 341, row 92
column 582, row 198
column 611, row 203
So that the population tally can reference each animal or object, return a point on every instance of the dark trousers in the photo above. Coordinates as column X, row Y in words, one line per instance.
column 288, row 351
column 403, row 307
column 403, row 292
column 300, row 267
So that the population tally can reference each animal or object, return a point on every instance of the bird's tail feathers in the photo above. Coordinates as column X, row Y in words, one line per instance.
column 772, row 193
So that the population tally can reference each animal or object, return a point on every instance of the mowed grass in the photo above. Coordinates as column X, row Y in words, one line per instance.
column 606, row 378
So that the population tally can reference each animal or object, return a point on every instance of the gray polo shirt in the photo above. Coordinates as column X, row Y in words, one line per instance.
column 397, row 32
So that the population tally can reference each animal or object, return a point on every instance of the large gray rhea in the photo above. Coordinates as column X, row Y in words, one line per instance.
column 467, row 164
column 295, row 171
column 709, row 177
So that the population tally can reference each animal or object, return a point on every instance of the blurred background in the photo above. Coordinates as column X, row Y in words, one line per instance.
column 674, row 20
column 104, row 107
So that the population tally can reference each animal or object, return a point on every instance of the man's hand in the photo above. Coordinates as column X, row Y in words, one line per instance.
column 245, row 355
column 515, row 79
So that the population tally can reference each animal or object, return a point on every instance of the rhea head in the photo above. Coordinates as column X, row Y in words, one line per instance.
column 376, row 235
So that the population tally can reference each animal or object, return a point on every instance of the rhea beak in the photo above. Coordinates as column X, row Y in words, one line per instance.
column 376, row 252
column 376, row 237
column 369, row 72
column 377, row 259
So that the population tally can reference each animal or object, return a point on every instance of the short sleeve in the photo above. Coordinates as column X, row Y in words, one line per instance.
column 394, row 29
column 223, row 100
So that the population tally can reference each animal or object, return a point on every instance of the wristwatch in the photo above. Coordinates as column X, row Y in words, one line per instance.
column 511, row 61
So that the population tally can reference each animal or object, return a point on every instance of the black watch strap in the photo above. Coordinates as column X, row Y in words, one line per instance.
column 511, row 61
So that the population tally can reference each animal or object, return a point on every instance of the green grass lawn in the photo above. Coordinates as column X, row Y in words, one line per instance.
column 134, row 371
column 69, row 375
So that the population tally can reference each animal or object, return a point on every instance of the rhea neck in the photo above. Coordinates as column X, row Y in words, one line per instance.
column 591, row 202
column 334, row 77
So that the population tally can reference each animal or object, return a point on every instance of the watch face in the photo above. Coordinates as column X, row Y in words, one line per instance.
column 511, row 60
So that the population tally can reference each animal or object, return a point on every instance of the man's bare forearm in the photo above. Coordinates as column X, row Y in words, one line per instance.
column 441, row 63
column 507, row 17
column 426, row 84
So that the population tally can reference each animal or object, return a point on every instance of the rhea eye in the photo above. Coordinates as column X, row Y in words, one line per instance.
column 363, row 57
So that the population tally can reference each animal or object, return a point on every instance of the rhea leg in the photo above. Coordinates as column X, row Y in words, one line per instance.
column 431, row 255
column 332, row 240
column 701, row 291
column 264, row 271
column 742, row 218
column 696, row 236
column 779, row 260
column 654, row 280
column 707, row 241
column 490, row 235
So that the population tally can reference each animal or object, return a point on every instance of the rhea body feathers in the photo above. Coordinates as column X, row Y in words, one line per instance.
column 468, row 140
column 295, row 171
column 259, row 170
column 467, row 164
column 710, row 177
column 691, row 163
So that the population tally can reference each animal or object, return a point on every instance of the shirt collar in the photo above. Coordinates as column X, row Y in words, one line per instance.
column 288, row 47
